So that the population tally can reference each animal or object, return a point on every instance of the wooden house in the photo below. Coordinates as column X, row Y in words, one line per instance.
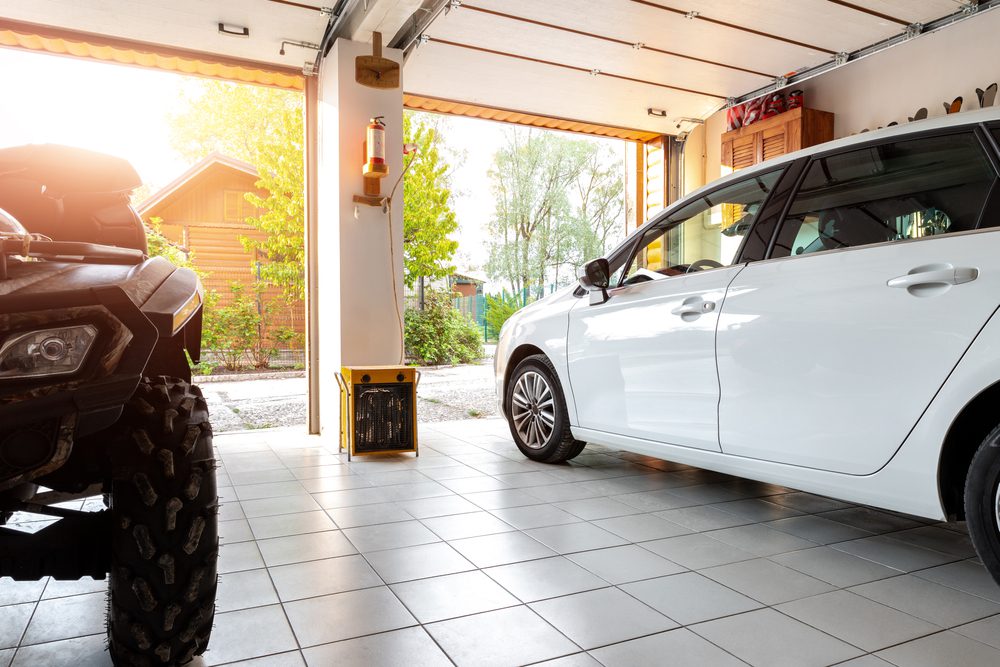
column 204, row 211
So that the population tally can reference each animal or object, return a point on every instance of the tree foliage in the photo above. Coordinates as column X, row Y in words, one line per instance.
column 499, row 308
column 159, row 245
column 237, row 120
column 440, row 333
column 282, row 219
column 428, row 218
column 559, row 202
column 241, row 332
column 262, row 126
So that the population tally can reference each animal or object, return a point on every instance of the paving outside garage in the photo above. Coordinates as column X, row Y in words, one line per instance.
column 473, row 555
column 445, row 393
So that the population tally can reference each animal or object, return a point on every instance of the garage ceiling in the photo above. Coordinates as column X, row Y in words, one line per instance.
column 608, row 61
column 585, row 65
column 190, row 29
column 188, row 24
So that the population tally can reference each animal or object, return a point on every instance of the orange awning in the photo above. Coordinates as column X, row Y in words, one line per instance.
column 456, row 108
column 47, row 39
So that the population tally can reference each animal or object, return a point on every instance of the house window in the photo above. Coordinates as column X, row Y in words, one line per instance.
column 236, row 208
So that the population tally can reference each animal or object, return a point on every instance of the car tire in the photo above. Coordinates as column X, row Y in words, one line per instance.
column 982, row 502
column 164, row 527
column 538, row 420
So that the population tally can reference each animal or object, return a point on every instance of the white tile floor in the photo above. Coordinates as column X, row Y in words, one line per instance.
column 473, row 555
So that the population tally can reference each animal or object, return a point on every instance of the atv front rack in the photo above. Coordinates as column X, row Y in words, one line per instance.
column 65, row 251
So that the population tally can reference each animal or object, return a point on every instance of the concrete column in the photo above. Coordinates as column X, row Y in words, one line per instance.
column 359, row 250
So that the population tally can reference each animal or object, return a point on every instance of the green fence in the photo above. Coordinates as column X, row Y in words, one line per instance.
column 476, row 307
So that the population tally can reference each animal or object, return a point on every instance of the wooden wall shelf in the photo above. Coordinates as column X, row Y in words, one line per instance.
column 785, row 133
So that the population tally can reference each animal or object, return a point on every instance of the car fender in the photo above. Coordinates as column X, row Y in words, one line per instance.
column 543, row 325
column 913, row 471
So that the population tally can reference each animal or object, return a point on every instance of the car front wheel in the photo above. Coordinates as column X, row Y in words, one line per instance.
column 537, row 413
column 982, row 503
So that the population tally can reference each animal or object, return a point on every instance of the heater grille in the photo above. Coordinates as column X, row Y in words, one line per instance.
column 383, row 417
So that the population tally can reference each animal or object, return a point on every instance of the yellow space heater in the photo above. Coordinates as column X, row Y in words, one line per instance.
column 378, row 409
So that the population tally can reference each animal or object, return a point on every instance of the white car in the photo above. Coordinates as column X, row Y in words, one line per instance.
column 825, row 321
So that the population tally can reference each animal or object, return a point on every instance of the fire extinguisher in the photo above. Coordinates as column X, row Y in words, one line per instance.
column 375, row 145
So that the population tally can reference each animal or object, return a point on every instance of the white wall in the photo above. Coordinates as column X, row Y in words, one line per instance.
column 358, row 313
column 923, row 72
column 694, row 160
column 891, row 85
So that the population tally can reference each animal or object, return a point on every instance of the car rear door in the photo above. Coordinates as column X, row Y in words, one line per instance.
column 881, row 274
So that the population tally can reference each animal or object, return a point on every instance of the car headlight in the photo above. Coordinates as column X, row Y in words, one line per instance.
column 58, row 351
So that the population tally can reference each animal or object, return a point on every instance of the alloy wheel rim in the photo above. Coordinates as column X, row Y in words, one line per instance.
column 996, row 504
column 533, row 409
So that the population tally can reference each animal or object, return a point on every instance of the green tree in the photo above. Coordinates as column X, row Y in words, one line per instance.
column 160, row 246
column 428, row 218
column 559, row 202
column 531, row 176
column 262, row 126
column 599, row 213
column 282, row 177
column 234, row 119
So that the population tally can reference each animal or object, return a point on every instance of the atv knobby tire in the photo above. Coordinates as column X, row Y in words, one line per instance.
column 164, row 527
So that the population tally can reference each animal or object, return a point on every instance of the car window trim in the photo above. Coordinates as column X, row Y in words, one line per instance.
column 773, row 209
column 975, row 128
column 984, row 131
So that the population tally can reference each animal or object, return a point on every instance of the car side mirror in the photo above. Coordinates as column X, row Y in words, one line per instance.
column 595, row 279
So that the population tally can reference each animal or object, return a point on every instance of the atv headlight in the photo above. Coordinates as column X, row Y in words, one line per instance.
column 59, row 351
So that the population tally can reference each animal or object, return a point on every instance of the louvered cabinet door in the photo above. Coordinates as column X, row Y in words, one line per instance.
column 776, row 136
column 740, row 152
column 773, row 142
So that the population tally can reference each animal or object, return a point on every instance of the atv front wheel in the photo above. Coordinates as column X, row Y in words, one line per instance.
column 164, row 527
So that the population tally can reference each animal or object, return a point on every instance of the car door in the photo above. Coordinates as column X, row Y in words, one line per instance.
column 880, row 276
column 642, row 364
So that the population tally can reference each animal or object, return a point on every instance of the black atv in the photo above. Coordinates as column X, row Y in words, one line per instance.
column 95, row 399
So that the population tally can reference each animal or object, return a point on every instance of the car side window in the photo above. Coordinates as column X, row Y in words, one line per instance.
column 889, row 192
column 705, row 234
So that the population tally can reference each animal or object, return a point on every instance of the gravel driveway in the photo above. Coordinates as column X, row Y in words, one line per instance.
column 444, row 393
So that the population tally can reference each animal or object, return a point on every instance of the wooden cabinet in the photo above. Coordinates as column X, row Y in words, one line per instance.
column 778, row 135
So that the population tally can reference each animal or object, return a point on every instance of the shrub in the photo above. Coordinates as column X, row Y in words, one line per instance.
column 239, row 333
column 498, row 310
column 440, row 334
column 230, row 331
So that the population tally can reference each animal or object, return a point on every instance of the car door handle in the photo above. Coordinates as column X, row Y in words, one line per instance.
column 698, row 307
column 948, row 276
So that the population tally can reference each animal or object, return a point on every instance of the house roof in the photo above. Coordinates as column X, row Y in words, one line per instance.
column 469, row 277
column 192, row 172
